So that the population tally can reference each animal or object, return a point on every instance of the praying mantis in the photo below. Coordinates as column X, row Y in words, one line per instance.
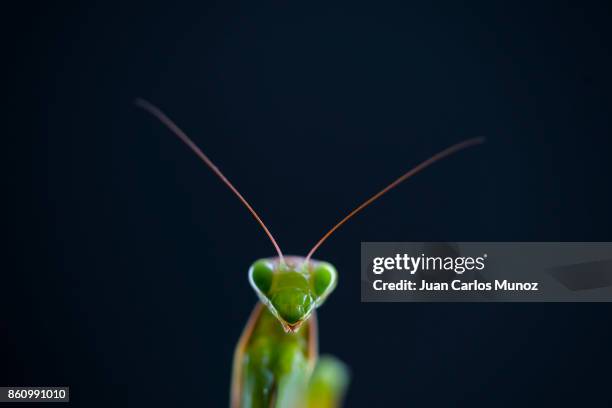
column 276, row 361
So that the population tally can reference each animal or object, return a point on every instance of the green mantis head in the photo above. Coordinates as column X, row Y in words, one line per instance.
column 292, row 288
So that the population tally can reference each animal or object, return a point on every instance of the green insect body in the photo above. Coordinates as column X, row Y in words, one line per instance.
column 276, row 363
column 273, row 363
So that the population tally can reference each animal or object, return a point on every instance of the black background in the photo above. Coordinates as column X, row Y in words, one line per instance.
column 124, row 273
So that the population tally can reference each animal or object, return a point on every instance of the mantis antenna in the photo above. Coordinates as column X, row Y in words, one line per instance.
column 436, row 157
column 163, row 118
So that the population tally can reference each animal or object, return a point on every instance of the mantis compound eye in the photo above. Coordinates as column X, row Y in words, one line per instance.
column 262, row 274
column 324, row 278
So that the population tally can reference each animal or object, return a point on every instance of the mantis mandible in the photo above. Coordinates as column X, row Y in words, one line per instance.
column 276, row 360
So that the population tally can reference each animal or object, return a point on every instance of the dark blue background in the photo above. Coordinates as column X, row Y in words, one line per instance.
column 125, row 267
